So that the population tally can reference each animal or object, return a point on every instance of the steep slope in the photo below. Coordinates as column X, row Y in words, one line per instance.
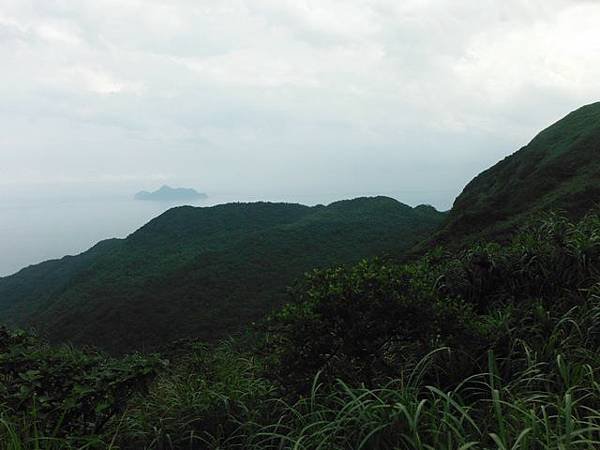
column 203, row 272
column 559, row 169
column 31, row 288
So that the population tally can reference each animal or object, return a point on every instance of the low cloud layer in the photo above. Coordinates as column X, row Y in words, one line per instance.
column 409, row 99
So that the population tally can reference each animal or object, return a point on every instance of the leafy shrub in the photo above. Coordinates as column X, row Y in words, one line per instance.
column 362, row 324
column 67, row 391
column 369, row 322
column 548, row 259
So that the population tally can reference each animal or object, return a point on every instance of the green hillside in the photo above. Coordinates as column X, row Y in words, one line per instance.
column 202, row 272
column 558, row 169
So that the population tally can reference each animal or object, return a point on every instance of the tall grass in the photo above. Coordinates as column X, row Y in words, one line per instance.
column 543, row 395
column 519, row 415
column 26, row 435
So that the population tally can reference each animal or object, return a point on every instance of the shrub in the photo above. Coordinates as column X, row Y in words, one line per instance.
column 65, row 390
column 363, row 324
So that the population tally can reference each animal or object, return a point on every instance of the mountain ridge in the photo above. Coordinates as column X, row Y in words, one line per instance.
column 558, row 169
column 206, row 271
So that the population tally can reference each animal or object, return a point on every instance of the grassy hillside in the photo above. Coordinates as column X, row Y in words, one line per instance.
column 202, row 272
column 558, row 169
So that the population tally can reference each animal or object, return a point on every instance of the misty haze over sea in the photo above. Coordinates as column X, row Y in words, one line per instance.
column 37, row 226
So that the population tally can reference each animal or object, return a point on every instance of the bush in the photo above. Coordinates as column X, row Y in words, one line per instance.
column 363, row 324
column 367, row 323
column 66, row 391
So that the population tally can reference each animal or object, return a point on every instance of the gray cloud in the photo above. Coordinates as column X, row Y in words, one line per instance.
column 407, row 98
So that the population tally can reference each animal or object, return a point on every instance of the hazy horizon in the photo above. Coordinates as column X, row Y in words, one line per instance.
column 272, row 99
column 40, row 226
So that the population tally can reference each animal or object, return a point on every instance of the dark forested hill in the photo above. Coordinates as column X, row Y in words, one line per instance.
column 202, row 272
column 559, row 169
column 206, row 272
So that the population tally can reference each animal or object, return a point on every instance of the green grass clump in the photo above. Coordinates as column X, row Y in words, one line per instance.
column 199, row 402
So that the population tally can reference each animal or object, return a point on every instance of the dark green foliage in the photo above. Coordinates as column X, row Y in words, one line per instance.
column 69, row 392
column 200, row 402
column 548, row 259
column 22, row 294
column 363, row 324
column 558, row 169
column 371, row 320
column 203, row 272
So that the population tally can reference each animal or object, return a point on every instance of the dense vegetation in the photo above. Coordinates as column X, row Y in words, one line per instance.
column 492, row 347
column 204, row 272
column 558, row 170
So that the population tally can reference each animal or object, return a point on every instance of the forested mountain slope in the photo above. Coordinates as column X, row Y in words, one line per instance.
column 202, row 272
column 558, row 170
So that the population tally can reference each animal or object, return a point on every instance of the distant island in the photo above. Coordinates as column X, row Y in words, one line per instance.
column 167, row 194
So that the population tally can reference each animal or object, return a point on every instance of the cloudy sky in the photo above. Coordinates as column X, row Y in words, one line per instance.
column 406, row 98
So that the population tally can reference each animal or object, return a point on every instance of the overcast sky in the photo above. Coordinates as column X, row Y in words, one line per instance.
column 406, row 98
